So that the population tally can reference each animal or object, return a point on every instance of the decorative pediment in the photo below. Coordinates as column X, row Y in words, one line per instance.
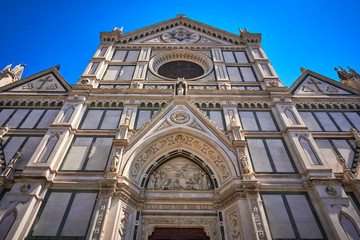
column 310, row 83
column 48, row 80
column 168, row 31
column 182, row 35
column 184, row 115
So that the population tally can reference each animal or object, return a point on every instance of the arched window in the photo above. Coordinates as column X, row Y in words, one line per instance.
column 349, row 228
column 6, row 223
column 67, row 114
column 290, row 116
column 309, row 151
column 48, row 148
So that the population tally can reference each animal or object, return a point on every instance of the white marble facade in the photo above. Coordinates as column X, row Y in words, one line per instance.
column 127, row 151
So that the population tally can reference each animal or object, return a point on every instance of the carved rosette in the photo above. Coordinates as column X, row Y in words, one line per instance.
column 180, row 117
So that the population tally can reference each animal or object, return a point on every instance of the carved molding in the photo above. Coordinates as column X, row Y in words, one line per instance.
column 258, row 219
column 179, row 140
column 210, row 225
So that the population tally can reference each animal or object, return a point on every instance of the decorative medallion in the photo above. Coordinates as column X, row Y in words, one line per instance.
column 180, row 36
column 180, row 117
column 330, row 190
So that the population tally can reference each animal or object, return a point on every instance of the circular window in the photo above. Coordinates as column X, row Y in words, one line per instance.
column 181, row 69
column 180, row 64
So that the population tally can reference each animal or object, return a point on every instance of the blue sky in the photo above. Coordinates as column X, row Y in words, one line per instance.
column 317, row 35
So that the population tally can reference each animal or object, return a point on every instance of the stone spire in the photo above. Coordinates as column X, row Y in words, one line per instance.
column 8, row 75
column 351, row 79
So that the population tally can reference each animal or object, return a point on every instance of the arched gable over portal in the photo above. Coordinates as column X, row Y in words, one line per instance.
column 140, row 159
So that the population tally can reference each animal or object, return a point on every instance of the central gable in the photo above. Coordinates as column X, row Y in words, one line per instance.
column 182, row 35
column 174, row 29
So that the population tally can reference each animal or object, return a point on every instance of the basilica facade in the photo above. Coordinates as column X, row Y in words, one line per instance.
column 179, row 130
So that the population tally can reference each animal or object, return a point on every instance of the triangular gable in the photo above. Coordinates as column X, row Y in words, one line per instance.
column 181, row 35
column 180, row 114
column 149, row 32
column 49, row 80
column 311, row 83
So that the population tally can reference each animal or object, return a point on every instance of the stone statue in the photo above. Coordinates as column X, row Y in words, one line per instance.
column 180, row 87
column 3, row 131
column 244, row 164
column 115, row 161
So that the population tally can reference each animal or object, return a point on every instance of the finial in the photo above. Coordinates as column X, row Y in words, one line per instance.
column 180, row 15
column 116, row 29
column 57, row 67
column 240, row 31
column 302, row 69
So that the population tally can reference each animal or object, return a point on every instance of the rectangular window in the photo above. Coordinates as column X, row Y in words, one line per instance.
column 88, row 154
column 102, row 51
column 64, row 214
column 143, row 115
column 241, row 74
column 216, row 115
column 270, row 155
column 28, row 118
column 93, row 68
column 266, row 69
column 104, row 119
column 257, row 53
column 125, row 56
column 25, row 144
column 119, row 73
column 291, row 216
column 320, row 121
column 235, row 57
column 332, row 148
column 257, row 121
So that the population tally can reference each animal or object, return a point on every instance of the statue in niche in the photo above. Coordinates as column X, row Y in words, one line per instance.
column 179, row 174
column 180, row 87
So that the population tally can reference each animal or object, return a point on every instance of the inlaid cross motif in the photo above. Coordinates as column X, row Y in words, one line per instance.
column 225, row 86
column 47, row 79
column 312, row 81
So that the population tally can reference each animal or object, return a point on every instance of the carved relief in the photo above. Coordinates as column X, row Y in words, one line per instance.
column 180, row 139
column 179, row 174
column 234, row 224
column 99, row 220
column 165, row 124
column 258, row 220
column 180, row 117
column 124, row 218
column 195, row 125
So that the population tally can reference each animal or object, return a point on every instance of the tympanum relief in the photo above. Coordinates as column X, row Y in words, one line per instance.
column 179, row 174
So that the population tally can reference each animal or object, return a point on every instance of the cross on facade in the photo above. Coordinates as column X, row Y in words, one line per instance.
column 225, row 86
column 47, row 79
column 312, row 81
